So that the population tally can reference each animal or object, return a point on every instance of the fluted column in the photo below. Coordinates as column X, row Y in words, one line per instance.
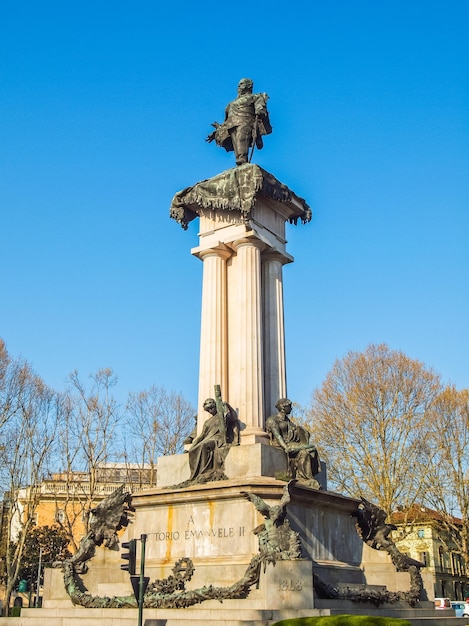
column 275, row 383
column 250, row 396
column 213, row 366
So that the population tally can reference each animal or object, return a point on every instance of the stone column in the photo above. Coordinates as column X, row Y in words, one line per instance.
column 275, row 383
column 213, row 365
column 249, row 367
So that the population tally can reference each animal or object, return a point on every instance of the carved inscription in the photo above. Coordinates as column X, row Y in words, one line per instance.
column 290, row 585
column 216, row 533
column 200, row 532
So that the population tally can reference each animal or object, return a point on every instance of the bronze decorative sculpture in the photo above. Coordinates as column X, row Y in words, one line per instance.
column 277, row 541
column 105, row 520
column 205, row 454
column 168, row 593
column 376, row 532
column 303, row 458
column 246, row 121
column 208, row 451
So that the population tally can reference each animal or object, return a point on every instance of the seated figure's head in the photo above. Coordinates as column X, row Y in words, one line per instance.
column 284, row 405
column 210, row 406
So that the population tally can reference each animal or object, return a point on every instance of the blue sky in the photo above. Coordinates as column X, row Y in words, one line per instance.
column 104, row 107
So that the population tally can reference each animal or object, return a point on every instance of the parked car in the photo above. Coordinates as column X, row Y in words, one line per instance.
column 442, row 603
column 460, row 608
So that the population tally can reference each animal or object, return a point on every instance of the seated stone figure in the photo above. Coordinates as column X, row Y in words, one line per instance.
column 208, row 450
column 303, row 458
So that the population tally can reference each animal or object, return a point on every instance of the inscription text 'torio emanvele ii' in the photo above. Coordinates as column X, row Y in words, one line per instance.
column 215, row 533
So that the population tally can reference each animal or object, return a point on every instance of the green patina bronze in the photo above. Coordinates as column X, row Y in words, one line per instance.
column 277, row 541
column 237, row 189
column 246, row 121
column 303, row 458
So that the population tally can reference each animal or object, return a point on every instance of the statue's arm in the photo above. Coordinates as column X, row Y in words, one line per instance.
column 212, row 136
column 200, row 438
column 260, row 104
column 273, row 427
column 195, row 442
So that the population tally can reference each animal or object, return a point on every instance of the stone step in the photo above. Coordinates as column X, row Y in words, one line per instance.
column 79, row 616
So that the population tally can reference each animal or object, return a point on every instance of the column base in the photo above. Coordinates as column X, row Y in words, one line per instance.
column 252, row 435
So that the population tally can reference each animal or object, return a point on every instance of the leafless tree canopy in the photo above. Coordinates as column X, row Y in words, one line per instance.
column 70, row 443
column 155, row 422
column 370, row 420
column 448, row 480
column 29, row 413
column 159, row 421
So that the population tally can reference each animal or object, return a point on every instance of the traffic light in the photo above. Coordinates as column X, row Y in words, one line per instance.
column 130, row 556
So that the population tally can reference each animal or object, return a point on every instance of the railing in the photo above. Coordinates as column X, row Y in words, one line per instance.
column 447, row 570
column 439, row 569
column 83, row 488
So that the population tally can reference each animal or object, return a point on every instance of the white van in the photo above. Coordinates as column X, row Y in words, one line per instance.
column 442, row 603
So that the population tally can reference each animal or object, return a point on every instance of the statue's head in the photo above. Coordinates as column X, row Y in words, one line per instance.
column 210, row 406
column 284, row 404
column 245, row 85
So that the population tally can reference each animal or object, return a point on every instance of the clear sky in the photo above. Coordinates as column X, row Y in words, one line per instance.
column 104, row 107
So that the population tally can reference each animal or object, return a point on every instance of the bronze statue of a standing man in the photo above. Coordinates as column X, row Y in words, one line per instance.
column 246, row 121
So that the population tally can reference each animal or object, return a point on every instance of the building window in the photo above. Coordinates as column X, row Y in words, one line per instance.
column 421, row 533
column 423, row 558
column 441, row 555
column 60, row 516
column 458, row 564
column 454, row 562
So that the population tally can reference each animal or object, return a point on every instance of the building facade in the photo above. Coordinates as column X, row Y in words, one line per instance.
column 65, row 498
column 422, row 535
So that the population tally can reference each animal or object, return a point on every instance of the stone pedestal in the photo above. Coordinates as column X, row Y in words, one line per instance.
column 254, row 460
column 214, row 525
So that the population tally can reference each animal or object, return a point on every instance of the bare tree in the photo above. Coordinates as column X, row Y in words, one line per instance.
column 15, row 382
column 370, row 420
column 88, row 439
column 97, row 416
column 448, row 481
column 159, row 421
column 29, row 420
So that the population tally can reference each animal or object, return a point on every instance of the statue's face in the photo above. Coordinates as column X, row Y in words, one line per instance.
column 286, row 407
column 245, row 86
column 210, row 406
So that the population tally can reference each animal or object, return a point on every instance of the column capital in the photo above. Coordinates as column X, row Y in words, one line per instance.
column 249, row 240
column 220, row 250
column 275, row 255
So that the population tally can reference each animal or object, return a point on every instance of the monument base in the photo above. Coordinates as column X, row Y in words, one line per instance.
column 218, row 527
